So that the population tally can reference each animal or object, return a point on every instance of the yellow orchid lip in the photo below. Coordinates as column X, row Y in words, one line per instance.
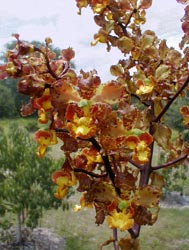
column 44, row 101
column 63, row 178
column 83, row 128
column 132, row 141
column 142, row 153
column 45, row 138
column 60, row 192
column 139, row 145
column 144, row 87
column 99, row 5
column 121, row 220
column 62, row 181
column 43, row 116
column 80, row 123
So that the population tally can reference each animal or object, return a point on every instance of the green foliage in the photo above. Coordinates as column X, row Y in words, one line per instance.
column 173, row 116
column 185, row 134
column 10, row 100
column 31, row 125
column 25, row 179
column 7, row 107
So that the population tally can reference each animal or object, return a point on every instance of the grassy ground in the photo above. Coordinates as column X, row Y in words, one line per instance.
column 169, row 233
column 19, row 121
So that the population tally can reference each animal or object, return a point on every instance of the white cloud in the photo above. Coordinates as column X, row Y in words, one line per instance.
column 164, row 18
column 34, row 8
column 37, row 19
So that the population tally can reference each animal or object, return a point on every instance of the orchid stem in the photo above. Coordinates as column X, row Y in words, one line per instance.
column 170, row 163
column 115, row 237
column 164, row 110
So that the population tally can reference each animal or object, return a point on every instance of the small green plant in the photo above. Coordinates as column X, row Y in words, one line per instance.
column 5, row 235
column 25, row 180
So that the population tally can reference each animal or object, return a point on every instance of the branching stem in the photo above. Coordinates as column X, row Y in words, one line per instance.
column 145, row 172
column 106, row 164
column 170, row 163
column 50, row 71
column 80, row 170
column 115, row 241
column 135, row 164
column 164, row 110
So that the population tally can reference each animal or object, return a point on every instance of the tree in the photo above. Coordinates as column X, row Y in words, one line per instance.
column 26, row 188
column 173, row 117
column 7, row 108
column 108, row 139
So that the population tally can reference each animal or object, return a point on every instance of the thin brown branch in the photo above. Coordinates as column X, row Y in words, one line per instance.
column 50, row 71
column 164, row 110
column 146, row 104
column 104, row 158
column 95, row 144
column 170, row 163
column 114, row 164
column 49, row 68
column 135, row 164
column 115, row 237
column 106, row 243
column 61, row 130
column 124, row 26
column 80, row 170
column 110, row 173
column 107, row 164
column 135, row 231
column 65, row 69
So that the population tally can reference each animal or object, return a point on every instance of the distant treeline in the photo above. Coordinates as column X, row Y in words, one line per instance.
column 10, row 100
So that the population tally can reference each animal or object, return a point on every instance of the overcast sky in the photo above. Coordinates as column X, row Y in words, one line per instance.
column 58, row 19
